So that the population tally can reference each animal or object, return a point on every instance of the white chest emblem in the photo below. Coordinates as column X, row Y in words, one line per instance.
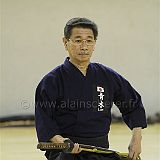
column 100, row 90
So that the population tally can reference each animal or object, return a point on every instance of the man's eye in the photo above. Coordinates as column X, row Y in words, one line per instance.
column 89, row 41
column 78, row 41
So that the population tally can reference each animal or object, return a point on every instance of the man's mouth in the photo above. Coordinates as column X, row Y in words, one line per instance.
column 83, row 54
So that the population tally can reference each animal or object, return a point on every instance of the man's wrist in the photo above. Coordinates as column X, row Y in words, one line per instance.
column 136, row 132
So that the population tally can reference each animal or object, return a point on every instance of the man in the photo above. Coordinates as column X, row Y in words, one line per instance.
column 74, row 100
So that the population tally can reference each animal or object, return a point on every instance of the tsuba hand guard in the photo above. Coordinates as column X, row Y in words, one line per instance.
column 69, row 146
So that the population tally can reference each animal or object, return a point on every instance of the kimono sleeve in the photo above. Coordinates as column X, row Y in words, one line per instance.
column 129, row 102
column 45, row 102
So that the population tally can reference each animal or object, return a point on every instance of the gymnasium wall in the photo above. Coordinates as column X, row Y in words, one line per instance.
column 31, row 45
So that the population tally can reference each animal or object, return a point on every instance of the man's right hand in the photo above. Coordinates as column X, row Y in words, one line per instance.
column 60, row 139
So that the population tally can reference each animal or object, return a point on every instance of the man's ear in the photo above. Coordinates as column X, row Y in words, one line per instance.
column 94, row 46
column 65, row 42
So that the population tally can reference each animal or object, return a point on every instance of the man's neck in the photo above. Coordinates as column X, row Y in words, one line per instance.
column 82, row 66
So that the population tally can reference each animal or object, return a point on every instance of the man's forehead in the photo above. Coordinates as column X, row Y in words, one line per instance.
column 80, row 32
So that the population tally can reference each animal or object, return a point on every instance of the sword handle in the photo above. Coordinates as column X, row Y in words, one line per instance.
column 67, row 146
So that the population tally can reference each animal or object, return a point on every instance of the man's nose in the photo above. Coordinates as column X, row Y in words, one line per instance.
column 84, row 45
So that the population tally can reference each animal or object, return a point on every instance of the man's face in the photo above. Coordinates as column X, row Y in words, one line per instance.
column 80, row 45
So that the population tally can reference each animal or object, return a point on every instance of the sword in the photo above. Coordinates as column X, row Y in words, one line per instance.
column 68, row 145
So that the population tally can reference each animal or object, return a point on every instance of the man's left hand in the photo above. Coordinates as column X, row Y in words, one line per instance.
column 135, row 144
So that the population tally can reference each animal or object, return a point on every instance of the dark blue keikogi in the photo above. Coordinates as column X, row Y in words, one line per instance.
column 71, row 104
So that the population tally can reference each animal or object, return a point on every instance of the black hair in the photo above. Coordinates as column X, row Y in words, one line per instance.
column 81, row 23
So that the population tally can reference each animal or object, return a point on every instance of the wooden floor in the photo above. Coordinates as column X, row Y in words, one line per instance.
column 20, row 143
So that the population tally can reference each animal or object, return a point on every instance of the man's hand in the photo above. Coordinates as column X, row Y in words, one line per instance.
column 60, row 139
column 135, row 144
column 76, row 149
